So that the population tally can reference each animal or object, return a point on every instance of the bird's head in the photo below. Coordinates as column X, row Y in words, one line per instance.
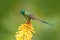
column 22, row 11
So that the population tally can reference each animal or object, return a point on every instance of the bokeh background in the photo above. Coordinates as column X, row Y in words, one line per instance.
column 48, row 10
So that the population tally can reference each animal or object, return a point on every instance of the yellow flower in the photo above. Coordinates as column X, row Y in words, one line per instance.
column 24, row 32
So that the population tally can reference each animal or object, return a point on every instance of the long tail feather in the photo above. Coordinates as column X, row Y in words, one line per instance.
column 47, row 23
column 43, row 21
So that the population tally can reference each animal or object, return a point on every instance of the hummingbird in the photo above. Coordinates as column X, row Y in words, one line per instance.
column 30, row 16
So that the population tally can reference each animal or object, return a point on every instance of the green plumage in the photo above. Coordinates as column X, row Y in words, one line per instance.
column 26, row 15
column 22, row 11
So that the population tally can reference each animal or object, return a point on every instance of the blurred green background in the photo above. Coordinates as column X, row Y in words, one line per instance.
column 10, row 18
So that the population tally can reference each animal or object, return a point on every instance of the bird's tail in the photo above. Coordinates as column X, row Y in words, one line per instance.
column 43, row 21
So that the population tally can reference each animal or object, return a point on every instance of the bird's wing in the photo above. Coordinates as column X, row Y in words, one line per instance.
column 32, row 16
